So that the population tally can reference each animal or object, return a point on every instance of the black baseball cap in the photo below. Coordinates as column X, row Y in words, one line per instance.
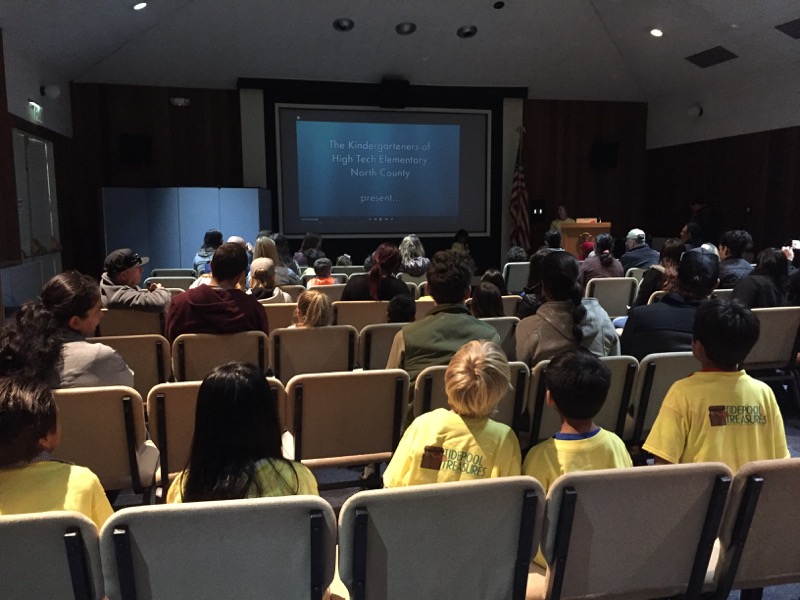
column 122, row 259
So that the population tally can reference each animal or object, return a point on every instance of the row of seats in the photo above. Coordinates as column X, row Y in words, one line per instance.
column 628, row 533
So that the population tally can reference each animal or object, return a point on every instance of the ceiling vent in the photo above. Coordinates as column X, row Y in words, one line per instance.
column 711, row 57
column 792, row 29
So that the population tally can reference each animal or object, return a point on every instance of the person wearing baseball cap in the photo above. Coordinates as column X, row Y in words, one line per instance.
column 637, row 253
column 119, row 284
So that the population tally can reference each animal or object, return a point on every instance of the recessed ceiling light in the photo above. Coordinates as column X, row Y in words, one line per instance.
column 343, row 24
column 139, row 6
column 405, row 28
column 499, row 4
column 656, row 32
column 467, row 31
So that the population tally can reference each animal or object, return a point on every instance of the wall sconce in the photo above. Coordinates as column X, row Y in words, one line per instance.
column 179, row 102
column 50, row 91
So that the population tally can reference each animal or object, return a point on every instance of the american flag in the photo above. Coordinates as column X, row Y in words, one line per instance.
column 520, row 223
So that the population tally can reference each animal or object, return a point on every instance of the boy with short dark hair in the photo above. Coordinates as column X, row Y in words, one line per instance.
column 577, row 385
column 720, row 413
column 402, row 309
column 322, row 272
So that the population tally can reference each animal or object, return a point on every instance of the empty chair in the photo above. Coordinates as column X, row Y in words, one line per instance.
column 333, row 292
column 121, row 321
column 615, row 294
column 194, row 355
column 375, row 343
column 359, row 313
column 760, row 534
column 173, row 273
column 265, row 547
column 103, row 429
column 506, row 329
column 424, row 307
column 515, row 275
column 312, row 350
column 50, row 555
column 429, row 394
column 293, row 290
column 182, row 282
column 148, row 356
column 510, row 304
column 346, row 418
column 636, row 272
column 630, row 533
column 469, row 539
column 280, row 314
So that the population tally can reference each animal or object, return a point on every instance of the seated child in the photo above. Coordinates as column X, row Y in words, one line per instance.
column 401, row 309
column 322, row 272
column 720, row 413
column 577, row 385
column 462, row 443
column 313, row 310
column 30, row 480
column 486, row 301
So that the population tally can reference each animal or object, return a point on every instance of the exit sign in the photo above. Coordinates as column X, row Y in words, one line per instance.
column 35, row 112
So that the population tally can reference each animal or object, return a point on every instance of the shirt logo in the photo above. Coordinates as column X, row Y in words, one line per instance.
column 721, row 415
column 446, row 459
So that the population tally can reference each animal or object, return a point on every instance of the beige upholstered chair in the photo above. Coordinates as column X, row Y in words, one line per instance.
column 346, row 418
column 359, row 313
column 507, row 330
column 630, row 533
column 470, row 539
column 415, row 279
column 312, row 350
column 279, row 314
column 615, row 294
column 293, row 290
column 333, row 292
column 147, row 355
column 656, row 296
column 173, row 273
column 265, row 547
column 339, row 277
column 510, row 304
column 429, row 394
column 50, row 555
column 182, row 282
column 120, row 321
column 516, row 276
column 413, row 288
column 102, row 428
column 760, row 534
column 348, row 270
column 194, row 355
column 375, row 343
column 636, row 272
column 423, row 308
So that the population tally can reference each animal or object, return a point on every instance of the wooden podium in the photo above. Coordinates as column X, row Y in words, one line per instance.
column 573, row 234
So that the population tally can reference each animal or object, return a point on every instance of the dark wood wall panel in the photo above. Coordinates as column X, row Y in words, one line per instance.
column 751, row 181
column 557, row 155
column 9, row 223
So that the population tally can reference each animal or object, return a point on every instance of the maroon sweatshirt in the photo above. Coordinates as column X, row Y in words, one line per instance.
column 207, row 309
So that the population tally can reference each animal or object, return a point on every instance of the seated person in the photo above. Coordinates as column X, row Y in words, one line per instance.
column 119, row 285
column 313, row 310
column 766, row 286
column 666, row 326
column 31, row 481
column 486, row 301
column 412, row 256
column 202, row 260
column 47, row 339
column 322, row 273
column 577, row 385
column 236, row 448
column 462, row 443
column 662, row 276
column 262, row 282
column 552, row 239
column 401, row 309
column 495, row 277
column 602, row 264
column 637, row 252
column 732, row 266
column 720, row 413
column 380, row 282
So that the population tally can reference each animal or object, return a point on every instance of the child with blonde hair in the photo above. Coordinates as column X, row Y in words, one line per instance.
column 313, row 309
column 462, row 443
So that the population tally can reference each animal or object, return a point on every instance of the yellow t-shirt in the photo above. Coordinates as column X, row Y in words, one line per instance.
column 442, row 446
column 53, row 485
column 721, row 416
column 274, row 477
column 566, row 453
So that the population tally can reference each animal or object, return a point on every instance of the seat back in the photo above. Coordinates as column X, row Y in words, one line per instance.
column 413, row 288
column 390, row 541
column 346, row 418
column 360, row 313
column 194, row 355
column 429, row 394
column 656, row 374
column 507, row 330
column 636, row 272
column 333, row 292
column 280, row 314
column 633, row 533
column 182, row 282
column 173, row 273
column 722, row 293
column 510, row 304
column 615, row 294
column 515, row 275
column 415, row 279
column 339, row 277
column 348, row 270
column 293, row 290
column 312, row 350
column 284, row 547
column 762, row 509
column 102, row 428
column 50, row 555
column 148, row 356
column 777, row 343
column 656, row 296
column 423, row 308
column 121, row 321
column 375, row 343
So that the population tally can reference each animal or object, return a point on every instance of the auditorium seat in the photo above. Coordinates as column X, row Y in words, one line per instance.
column 173, row 273
column 375, row 343
column 333, row 292
column 279, row 314
column 510, row 305
column 312, row 350
column 506, row 328
column 359, row 313
column 339, row 277
column 182, row 282
column 148, row 356
column 615, row 294
column 293, row 290
column 121, row 321
column 194, row 355
column 423, row 308
column 515, row 275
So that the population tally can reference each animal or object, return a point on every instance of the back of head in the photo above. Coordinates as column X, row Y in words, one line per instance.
column 578, row 384
column 312, row 240
column 516, row 254
column 262, row 273
column 236, row 424
column 282, row 245
column 477, row 378
column 737, row 241
column 27, row 414
column 265, row 248
column 495, row 277
column 411, row 248
column 774, row 264
column 535, row 266
column 552, row 238
column 727, row 329
column 322, row 267
column 487, row 301
column 212, row 239
column 671, row 251
column 401, row 309
column 449, row 276
column 385, row 262
column 698, row 274
column 344, row 261
column 312, row 254
column 603, row 247
column 314, row 309
column 635, row 237
column 560, row 283
column 229, row 262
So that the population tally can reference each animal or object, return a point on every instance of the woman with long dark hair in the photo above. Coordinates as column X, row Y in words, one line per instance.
column 767, row 284
column 47, row 340
column 603, row 263
column 380, row 283
column 566, row 320
column 664, row 274
column 236, row 448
